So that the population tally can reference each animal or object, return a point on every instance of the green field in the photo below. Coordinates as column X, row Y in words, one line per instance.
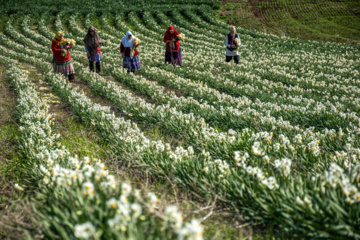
column 266, row 149
column 335, row 21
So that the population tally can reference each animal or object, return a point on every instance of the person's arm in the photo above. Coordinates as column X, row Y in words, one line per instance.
column 226, row 42
column 56, row 48
column 122, row 49
column 87, row 52
column 167, row 40
column 101, row 42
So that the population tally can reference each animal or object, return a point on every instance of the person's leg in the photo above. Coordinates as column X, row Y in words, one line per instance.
column 71, row 77
column 179, row 59
column 133, row 64
column 126, row 64
column 137, row 64
column 167, row 57
column 236, row 59
column 228, row 58
column 91, row 65
column 98, row 67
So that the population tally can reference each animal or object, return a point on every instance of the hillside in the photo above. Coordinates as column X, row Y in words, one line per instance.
column 265, row 149
column 334, row 20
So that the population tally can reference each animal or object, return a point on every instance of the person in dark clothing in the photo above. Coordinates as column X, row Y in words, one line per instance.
column 92, row 41
column 232, row 43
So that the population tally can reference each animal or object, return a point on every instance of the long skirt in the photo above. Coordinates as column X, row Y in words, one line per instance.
column 175, row 59
column 132, row 64
column 66, row 70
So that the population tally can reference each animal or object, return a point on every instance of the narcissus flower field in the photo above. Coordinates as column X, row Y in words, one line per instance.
column 275, row 138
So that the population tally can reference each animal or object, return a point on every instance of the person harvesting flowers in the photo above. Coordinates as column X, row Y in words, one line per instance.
column 173, row 51
column 232, row 43
column 92, row 41
column 129, row 52
column 62, row 62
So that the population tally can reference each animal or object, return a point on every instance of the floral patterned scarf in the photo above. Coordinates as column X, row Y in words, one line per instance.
column 92, row 41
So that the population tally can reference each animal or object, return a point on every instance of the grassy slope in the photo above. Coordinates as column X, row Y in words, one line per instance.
column 334, row 20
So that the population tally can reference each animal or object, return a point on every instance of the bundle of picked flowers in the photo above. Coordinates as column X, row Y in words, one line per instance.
column 71, row 42
column 136, row 41
column 236, row 41
column 181, row 36
column 107, row 42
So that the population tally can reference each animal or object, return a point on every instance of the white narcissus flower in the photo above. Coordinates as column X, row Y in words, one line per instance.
column 283, row 165
column 350, row 190
column 349, row 200
column 270, row 183
column 86, row 160
column 307, row 200
column 85, row 230
column 191, row 231
column 88, row 189
column 44, row 170
column 174, row 216
column 112, row 203
column 299, row 201
column 357, row 197
column 114, row 222
column 171, row 210
column 123, row 199
column 125, row 189
column 18, row 187
column 45, row 181
column 136, row 210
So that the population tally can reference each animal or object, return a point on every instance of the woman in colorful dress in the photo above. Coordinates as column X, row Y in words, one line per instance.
column 232, row 42
column 130, row 54
column 62, row 62
column 173, row 50
column 92, row 41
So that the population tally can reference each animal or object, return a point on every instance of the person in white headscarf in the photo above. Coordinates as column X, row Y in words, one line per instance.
column 129, row 52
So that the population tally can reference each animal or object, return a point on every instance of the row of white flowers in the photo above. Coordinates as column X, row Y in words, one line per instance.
column 125, row 209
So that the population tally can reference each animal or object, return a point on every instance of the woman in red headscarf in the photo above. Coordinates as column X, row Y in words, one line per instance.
column 173, row 50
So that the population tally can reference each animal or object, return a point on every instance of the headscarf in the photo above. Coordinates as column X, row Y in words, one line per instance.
column 57, row 37
column 126, row 41
column 169, row 35
column 92, row 41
